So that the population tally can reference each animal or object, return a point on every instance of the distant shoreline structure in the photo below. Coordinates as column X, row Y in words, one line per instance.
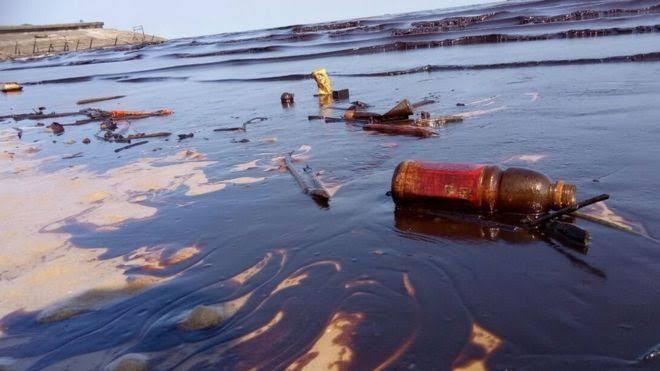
column 21, row 41
column 50, row 27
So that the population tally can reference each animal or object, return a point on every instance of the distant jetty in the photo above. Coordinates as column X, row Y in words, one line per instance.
column 22, row 41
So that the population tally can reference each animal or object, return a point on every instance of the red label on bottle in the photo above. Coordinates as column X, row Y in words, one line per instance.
column 452, row 182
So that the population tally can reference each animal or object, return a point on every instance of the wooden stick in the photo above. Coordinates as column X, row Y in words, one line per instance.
column 299, row 179
column 101, row 99
column 83, row 122
column 422, row 103
column 317, row 191
column 131, row 146
column 567, row 210
column 148, row 135
column 75, row 155
column 230, row 129
column 39, row 116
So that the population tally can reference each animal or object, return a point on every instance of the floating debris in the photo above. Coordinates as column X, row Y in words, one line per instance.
column 56, row 128
column 479, row 187
column 8, row 87
column 148, row 135
column 185, row 136
column 75, row 155
column 131, row 146
column 101, row 99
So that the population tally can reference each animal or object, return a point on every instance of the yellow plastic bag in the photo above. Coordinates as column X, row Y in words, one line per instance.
column 13, row 86
column 322, row 81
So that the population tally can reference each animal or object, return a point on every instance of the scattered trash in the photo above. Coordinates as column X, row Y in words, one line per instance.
column 86, row 141
column 121, row 114
column 287, row 99
column 40, row 115
column 424, row 115
column 566, row 210
column 93, row 114
column 422, row 103
column 460, row 104
column 411, row 130
column 231, row 129
column 401, row 111
column 325, row 88
column 148, row 135
column 101, row 99
column 75, row 155
column 333, row 119
column 478, row 187
column 437, row 121
column 56, row 128
column 245, row 124
column 340, row 94
column 360, row 104
column 185, row 136
column 322, row 81
column 316, row 190
column 7, row 87
column 131, row 146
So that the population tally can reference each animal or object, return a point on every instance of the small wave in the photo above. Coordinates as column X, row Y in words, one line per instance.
column 292, row 77
column 77, row 63
column 645, row 57
column 65, row 80
column 581, row 15
column 152, row 79
column 413, row 45
column 265, row 49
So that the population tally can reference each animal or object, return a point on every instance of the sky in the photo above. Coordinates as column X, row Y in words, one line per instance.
column 181, row 18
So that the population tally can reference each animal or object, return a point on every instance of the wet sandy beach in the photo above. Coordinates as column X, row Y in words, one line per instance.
column 203, row 253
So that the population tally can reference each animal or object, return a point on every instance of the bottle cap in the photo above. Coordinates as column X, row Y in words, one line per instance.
column 563, row 195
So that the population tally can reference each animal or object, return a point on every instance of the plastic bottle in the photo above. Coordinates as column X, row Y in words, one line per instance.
column 475, row 187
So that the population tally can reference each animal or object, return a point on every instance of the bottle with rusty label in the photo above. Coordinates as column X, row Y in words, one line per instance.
column 484, row 188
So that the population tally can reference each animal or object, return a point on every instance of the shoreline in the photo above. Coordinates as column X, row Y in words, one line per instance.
column 19, row 45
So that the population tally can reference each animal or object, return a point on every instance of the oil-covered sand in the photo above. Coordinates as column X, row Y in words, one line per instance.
column 204, row 253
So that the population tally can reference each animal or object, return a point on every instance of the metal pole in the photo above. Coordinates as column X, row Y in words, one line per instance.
column 77, row 42
column 116, row 38
column 34, row 47
column 90, row 42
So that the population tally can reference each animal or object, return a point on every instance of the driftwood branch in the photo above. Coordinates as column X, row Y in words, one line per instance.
column 422, row 103
column 39, row 116
column 567, row 210
column 316, row 190
column 131, row 145
column 101, row 99
column 244, row 126
column 148, row 135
